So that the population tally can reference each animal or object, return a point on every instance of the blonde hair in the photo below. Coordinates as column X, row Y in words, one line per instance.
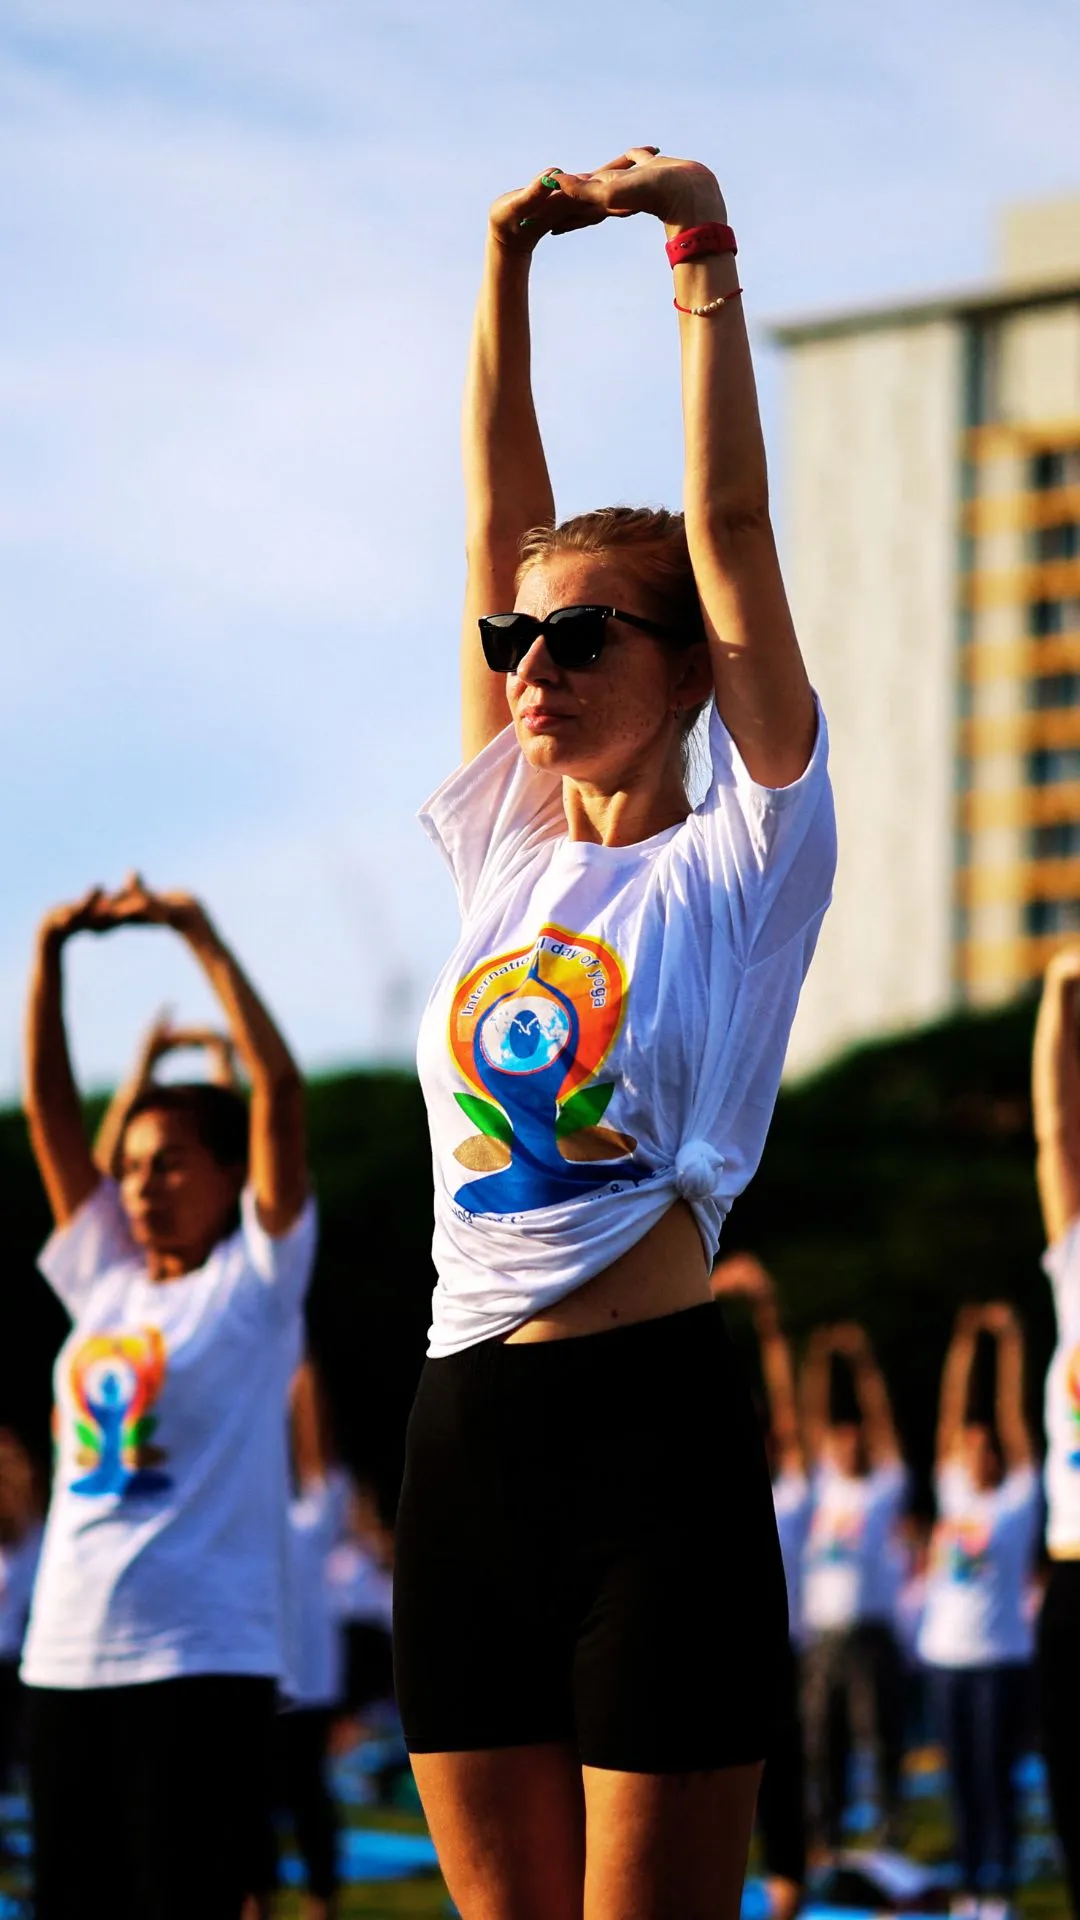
column 649, row 543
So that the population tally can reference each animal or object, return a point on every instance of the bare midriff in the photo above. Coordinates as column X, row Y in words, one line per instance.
column 1055, row 1553
column 663, row 1273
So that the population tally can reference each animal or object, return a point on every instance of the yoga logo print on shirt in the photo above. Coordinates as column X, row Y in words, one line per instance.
column 529, row 1032
column 115, row 1380
column 961, row 1550
column 835, row 1537
column 1072, row 1394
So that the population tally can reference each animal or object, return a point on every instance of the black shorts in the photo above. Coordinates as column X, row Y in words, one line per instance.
column 586, row 1552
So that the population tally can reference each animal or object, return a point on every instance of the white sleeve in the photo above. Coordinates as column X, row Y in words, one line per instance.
column 1061, row 1264
column 771, row 850
column 1019, row 1490
column 890, row 1483
column 284, row 1261
column 95, row 1239
column 490, row 813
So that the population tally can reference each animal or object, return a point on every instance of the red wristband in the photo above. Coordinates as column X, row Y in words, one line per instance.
column 694, row 242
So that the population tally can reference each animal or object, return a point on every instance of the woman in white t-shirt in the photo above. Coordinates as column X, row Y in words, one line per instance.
column 852, row 1663
column 586, row 1692
column 975, row 1637
column 1056, row 1099
column 156, row 1632
column 781, row 1803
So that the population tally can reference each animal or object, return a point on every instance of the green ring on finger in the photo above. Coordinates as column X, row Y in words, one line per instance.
column 550, row 180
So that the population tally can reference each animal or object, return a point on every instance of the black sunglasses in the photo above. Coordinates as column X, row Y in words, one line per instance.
column 575, row 635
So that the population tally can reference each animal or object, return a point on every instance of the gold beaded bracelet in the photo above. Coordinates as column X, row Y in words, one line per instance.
column 713, row 306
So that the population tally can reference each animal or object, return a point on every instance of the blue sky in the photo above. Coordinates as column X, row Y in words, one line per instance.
column 239, row 245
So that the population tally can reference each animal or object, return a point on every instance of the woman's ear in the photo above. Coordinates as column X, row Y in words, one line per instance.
column 695, row 681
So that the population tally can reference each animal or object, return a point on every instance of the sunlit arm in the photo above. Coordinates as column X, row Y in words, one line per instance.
column 1055, row 1093
column 51, row 1098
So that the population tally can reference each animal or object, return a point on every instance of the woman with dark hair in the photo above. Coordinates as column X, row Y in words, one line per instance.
column 156, row 1631
column 853, row 1675
column 1056, row 1101
column 976, row 1638
column 587, row 1692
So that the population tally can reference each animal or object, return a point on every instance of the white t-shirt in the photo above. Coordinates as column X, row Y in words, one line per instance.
column 610, row 1029
column 793, row 1504
column 980, row 1557
column 361, row 1591
column 849, row 1573
column 314, row 1664
column 165, row 1542
column 1062, row 1403
column 18, row 1565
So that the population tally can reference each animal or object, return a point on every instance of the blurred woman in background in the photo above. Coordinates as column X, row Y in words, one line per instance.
column 976, row 1637
column 156, row 1631
column 1056, row 1103
column 20, row 1549
column 782, row 1798
column 852, row 1663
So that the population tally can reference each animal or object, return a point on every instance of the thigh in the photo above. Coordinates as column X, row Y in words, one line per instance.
column 667, row 1846
column 74, row 1795
column 509, row 1829
column 482, row 1646
column 681, row 1645
column 205, row 1793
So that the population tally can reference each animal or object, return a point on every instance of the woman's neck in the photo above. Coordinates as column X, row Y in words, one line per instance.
column 634, row 809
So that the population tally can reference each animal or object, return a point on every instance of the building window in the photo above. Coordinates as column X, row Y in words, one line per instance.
column 1060, row 542
column 1046, row 470
column 1060, row 841
column 1046, row 616
column 1048, row 766
column 1051, row 916
column 1054, row 690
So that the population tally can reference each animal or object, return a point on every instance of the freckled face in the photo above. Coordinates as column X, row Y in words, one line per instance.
column 597, row 724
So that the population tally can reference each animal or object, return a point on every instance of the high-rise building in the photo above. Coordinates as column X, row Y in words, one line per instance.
column 933, row 522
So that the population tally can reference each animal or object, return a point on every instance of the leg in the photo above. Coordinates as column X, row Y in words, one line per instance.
column 781, row 1806
column 1059, row 1678
column 816, row 1665
column 509, row 1828
column 1000, row 1735
column 667, row 1846
column 303, row 1737
column 73, row 1793
column 840, row 1683
column 951, row 1701
column 203, row 1799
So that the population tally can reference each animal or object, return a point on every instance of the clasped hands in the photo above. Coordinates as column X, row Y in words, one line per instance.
column 680, row 193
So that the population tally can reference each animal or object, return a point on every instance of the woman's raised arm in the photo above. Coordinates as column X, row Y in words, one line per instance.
column 955, row 1381
column 507, row 487
column 1013, row 1430
column 1055, row 1093
column 762, row 691
column 278, row 1172
column 51, row 1098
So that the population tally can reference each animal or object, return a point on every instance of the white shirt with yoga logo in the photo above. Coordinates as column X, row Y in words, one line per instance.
column 165, row 1542
column 980, row 1562
column 1061, row 1263
column 610, row 1029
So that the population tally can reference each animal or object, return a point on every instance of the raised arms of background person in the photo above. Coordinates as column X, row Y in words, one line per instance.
column 1055, row 1094
column 744, row 1275
column 50, row 1096
column 1014, row 1433
column 161, row 1038
column 956, row 1381
column 278, row 1161
column 762, row 691
column 871, row 1393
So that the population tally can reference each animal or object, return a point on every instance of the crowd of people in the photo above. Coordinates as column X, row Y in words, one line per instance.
column 615, row 1628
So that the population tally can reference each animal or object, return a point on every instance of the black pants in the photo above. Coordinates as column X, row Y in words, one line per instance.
column 782, row 1799
column 980, row 1714
column 300, row 1740
column 587, row 1552
column 1059, row 1675
column 145, row 1797
column 369, row 1665
column 853, row 1690
column 12, row 1704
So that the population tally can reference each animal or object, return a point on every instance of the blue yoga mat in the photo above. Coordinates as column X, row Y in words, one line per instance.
column 367, row 1853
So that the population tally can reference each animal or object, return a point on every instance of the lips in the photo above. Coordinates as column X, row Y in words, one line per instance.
column 542, row 719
